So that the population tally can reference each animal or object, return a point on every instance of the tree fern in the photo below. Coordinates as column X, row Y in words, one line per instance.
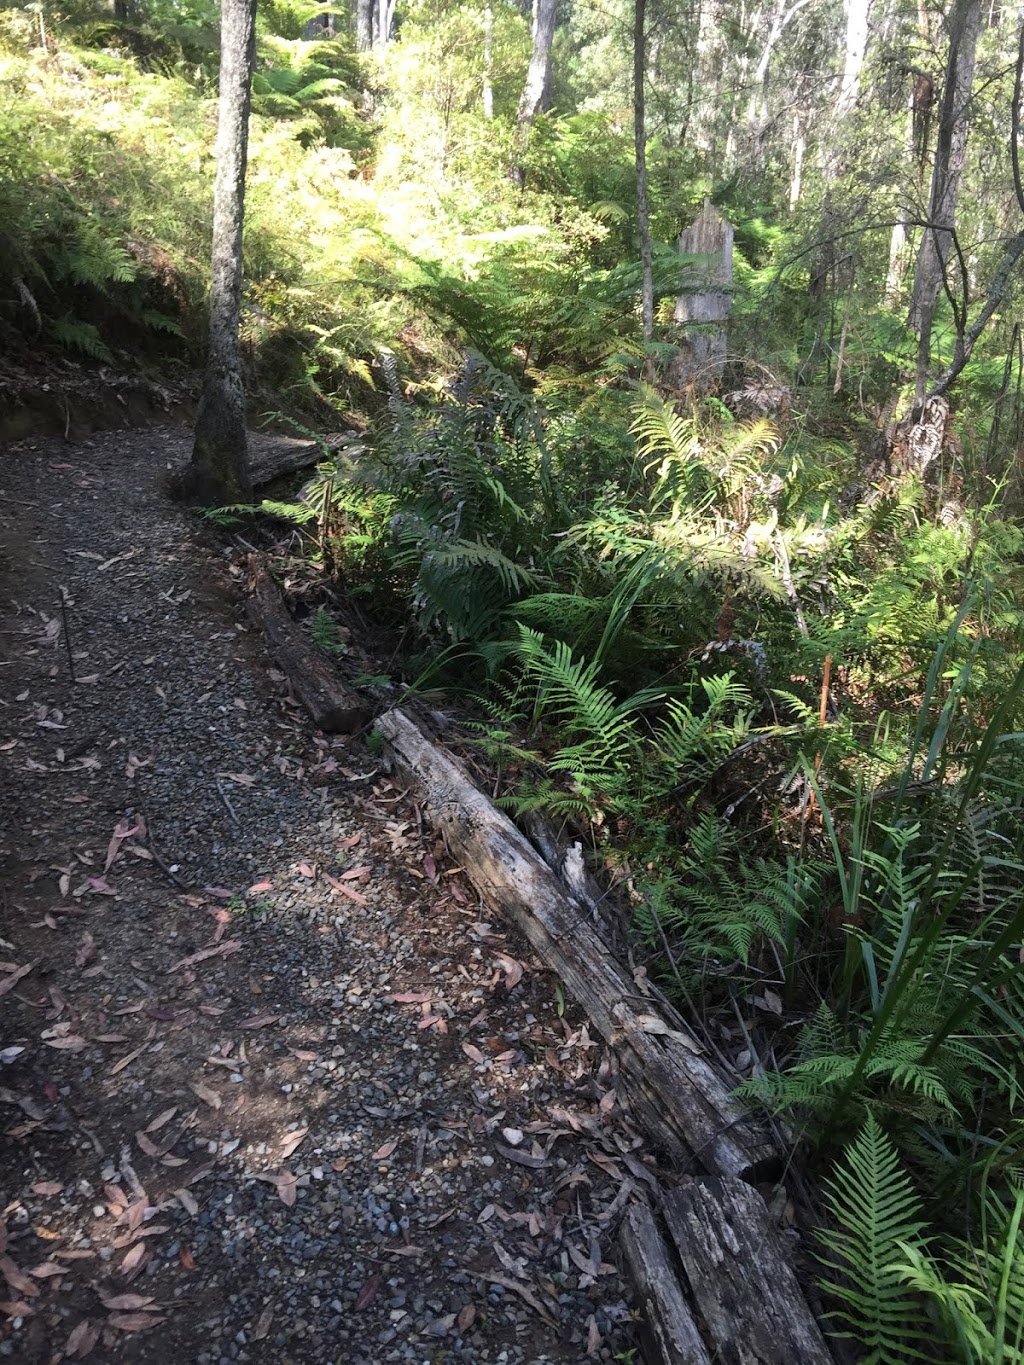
column 877, row 1215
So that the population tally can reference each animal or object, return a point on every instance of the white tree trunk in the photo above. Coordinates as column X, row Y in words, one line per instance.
column 857, row 13
column 536, row 96
column 219, row 471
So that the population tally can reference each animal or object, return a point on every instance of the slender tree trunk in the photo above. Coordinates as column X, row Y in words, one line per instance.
column 536, row 97
column 219, row 471
column 364, row 25
column 642, row 214
column 857, row 13
column 385, row 21
column 947, row 171
column 796, row 179
column 488, row 89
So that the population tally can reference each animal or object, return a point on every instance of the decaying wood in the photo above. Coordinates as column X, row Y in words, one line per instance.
column 673, row 1090
column 670, row 1335
column 271, row 457
column 569, row 866
column 332, row 704
column 746, row 1295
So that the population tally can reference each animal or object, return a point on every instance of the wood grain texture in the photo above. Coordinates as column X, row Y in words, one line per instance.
column 670, row 1335
column 743, row 1287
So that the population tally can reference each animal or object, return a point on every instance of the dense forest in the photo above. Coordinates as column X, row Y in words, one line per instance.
column 716, row 548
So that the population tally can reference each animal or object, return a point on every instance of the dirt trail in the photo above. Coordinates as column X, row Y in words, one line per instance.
column 273, row 1086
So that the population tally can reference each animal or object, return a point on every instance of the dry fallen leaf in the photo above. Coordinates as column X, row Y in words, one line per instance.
column 368, row 1293
column 134, row 1322
column 474, row 1054
column 72, row 1043
column 187, row 1202
column 135, row 1258
column 286, row 1191
column 9, row 982
column 259, row 1021
column 46, row 1269
column 512, row 968
column 466, row 1318
column 593, row 1336
column 161, row 1119
column 230, row 945
column 130, row 1057
column 82, row 1339
column 204, row 1092
column 385, row 1151
column 47, row 1187
column 262, row 1328
column 150, row 1148
column 17, row 1279
column 125, row 1302
column 355, row 896
column 290, row 1141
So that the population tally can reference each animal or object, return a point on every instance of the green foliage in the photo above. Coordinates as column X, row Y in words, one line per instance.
column 324, row 631
column 878, row 1217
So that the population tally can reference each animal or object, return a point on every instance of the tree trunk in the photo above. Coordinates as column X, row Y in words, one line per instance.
column 536, row 96
column 853, row 61
column 488, row 89
column 364, row 25
column 219, row 470
column 642, row 214
column 796, row 179
column 947, row 171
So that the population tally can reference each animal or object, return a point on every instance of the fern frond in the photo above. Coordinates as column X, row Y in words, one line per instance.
column 878, row 1214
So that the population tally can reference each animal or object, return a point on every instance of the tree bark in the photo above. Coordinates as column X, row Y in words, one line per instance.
column 364, row 25
column 853, row 59
column 536, row 96
column 219, row 470
column 947, row 171
column 675, row 1092
column 668, row 1331
column 643, row 221
column 333, row 706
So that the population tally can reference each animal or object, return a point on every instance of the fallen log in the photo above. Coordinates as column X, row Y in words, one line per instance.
column 667, row 1329
column 746, row 1295
column 271, row 456
column 332, row 704
column 673, row 1090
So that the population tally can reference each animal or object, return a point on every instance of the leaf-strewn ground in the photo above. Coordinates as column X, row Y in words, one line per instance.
column 274, row 1086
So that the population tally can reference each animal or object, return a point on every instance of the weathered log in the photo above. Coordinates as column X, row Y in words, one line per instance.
column 569, row 866
column 668, row 1331
column 331, row 703
column 674, row 1092
column 746, row 1295
column 271, row 457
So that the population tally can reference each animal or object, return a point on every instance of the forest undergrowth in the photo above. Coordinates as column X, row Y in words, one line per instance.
column 764, row 667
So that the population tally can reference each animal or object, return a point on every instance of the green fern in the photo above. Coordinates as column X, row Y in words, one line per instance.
column 877, row 1216
column 83, row 336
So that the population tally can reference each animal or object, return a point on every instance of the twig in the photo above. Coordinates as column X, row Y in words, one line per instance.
column 230, row 808
column 67, row 636
column 164, row 867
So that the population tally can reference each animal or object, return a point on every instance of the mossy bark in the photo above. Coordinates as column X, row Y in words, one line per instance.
column 219, row 470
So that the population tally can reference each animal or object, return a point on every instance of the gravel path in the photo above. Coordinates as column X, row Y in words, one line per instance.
column 273, row 1085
